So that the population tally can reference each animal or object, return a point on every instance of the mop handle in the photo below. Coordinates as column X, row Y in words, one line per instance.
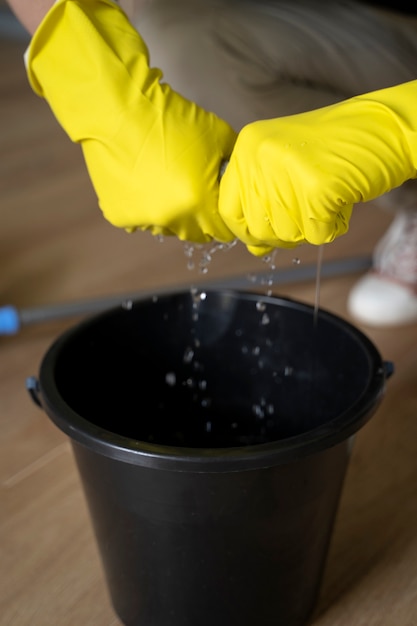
column 13, row 319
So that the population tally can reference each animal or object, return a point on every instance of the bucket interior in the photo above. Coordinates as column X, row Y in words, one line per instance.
column 214, row 370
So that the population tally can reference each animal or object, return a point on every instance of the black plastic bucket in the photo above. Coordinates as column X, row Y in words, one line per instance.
column 212, row 433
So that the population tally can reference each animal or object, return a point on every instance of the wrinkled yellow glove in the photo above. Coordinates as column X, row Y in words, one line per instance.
column 295, row 179
column 153, row 156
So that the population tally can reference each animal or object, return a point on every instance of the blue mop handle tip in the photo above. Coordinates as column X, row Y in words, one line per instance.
column 9, row 320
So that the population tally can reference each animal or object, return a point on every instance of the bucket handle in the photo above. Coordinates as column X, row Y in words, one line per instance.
column 32, row 385
column 389, row 368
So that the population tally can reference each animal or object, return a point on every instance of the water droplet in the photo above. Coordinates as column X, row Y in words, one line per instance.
column 127, row 304
column 197, row 366
column 260, row 306
column 258, row 411
column 204, row 262
column 188, row 250
column 296, row 261
column 188, row 355
column 171, row 379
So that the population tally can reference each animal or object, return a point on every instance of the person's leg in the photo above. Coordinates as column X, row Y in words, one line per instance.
column 247, row 60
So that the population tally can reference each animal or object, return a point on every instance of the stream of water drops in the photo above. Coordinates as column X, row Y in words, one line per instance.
column 199, row 258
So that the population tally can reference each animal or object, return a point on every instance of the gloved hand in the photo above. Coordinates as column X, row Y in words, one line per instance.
column 153, row 156
column 295, row 179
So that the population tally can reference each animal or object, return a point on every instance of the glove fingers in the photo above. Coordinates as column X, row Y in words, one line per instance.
column 246, row 214
column 259, row 251
column 318, row 231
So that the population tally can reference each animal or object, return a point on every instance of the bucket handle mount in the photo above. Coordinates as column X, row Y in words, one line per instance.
column 32, row 385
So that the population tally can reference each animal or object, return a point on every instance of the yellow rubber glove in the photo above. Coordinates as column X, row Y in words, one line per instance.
column 295, row 179
column 153, row 156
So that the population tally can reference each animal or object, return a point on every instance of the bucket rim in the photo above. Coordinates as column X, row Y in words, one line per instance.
column 212, row 460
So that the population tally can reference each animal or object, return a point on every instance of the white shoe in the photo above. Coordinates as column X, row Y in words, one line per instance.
column 387, row 296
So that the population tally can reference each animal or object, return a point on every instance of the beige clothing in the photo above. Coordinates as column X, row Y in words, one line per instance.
column 247, row 60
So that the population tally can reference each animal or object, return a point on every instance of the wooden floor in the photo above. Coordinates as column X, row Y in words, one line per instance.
column 55, row 248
